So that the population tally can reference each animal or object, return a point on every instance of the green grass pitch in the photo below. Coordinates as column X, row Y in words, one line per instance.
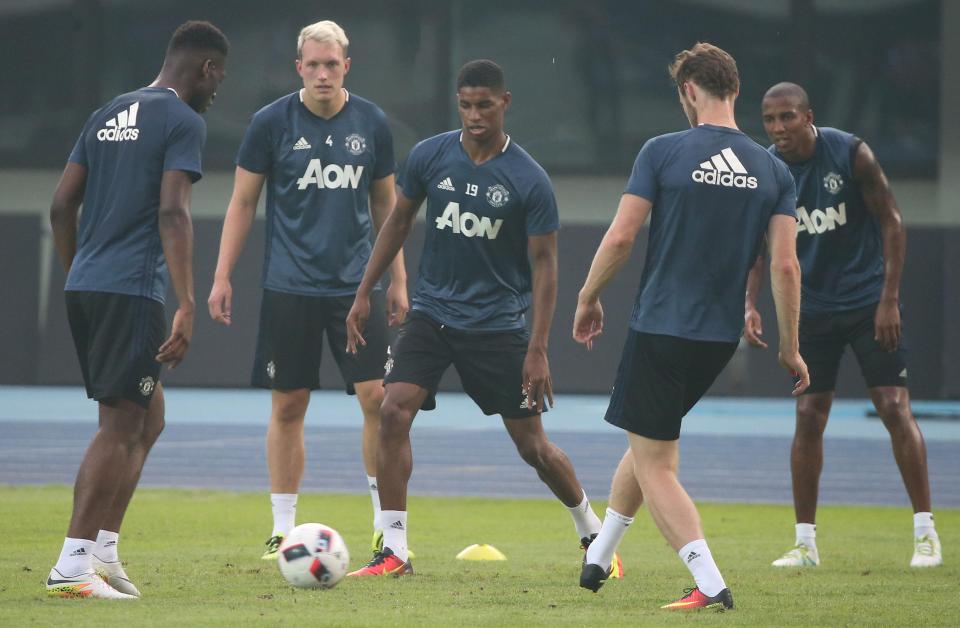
column 195, row 557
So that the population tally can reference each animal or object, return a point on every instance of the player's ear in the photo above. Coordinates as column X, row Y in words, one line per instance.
column 507, row 97
column 346, row 65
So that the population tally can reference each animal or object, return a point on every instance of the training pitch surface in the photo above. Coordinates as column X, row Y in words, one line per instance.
column 732, row 450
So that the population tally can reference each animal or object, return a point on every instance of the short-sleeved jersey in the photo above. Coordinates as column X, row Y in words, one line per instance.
column 126, row 146
column 839, row 243
column 318, row 173
column 713, row 191
column 474, row 273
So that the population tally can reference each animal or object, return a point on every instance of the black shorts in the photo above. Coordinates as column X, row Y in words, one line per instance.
column 823, row 338
column 290, row 341
column 117, row 337
column 660, row 378
column 490, row 364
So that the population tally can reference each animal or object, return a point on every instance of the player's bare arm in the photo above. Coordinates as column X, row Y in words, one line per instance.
column 612, row 254
column 785, row 283
column 390, row 240
column 752, row 323
column 236, row 227
column 383, row 198
column 64, row 208
column 536, row 368
column 880, row 201
column 176, row 236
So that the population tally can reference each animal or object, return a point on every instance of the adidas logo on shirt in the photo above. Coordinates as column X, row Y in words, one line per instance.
column 724, row 169
column 447, row 185
column 122, row 126
column 302, row 144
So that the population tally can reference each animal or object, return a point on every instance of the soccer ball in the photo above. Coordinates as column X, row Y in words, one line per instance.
column 313, row 556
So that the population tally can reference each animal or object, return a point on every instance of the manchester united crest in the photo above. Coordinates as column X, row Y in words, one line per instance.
column 355, row 143
column 146, row 386
column 833, row 183
column 497, row 195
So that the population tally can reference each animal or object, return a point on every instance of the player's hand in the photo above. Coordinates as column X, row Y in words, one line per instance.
column 537, row 384
column 588, row 322
column 175, row 348
column 753, row 328
column 886, row 325
column 798, row 368
column 221, row 296
column 397, row 303
column 356, row 321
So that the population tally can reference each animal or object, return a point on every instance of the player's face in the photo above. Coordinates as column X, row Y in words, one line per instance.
column 482, row 111
column 212, row 73
column 322, row 66
column 788, row 125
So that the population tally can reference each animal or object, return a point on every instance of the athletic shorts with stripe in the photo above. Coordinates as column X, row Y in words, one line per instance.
column 290, row 341
column 117, row 337
column 490, row 364
column 660, row 378
column 823, row 338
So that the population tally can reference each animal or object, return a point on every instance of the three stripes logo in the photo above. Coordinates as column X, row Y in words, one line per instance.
column 122, row 126
column 447, row 185
column 724, row 169
column 302, row 144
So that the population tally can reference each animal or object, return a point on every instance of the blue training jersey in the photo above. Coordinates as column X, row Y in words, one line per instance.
column 713, row 191
column 839, row 242
column 474, row 272
column 126, row 146
column 318, row 173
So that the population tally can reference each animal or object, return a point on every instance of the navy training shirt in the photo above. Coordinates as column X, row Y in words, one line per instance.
column 713, row 191
column 318, row 173
column 474, row 272
column 839, row 242
column 126, row 146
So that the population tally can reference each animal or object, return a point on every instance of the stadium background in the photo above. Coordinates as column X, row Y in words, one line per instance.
column 589, row 88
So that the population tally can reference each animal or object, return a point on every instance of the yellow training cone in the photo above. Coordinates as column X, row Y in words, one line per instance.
column 481, row 551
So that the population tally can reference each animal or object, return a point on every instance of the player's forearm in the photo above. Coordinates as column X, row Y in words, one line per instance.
column 754, row 281
column 379, row 212
column 176, row 236
column 785, row 284
column 894, row 255
column 386, row 249
column 236, row 228
column 614, row 251
column 63, row 223
column 544, row 300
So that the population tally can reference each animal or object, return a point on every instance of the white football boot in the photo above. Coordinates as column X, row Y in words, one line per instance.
column 115, row 576
column 87, row 584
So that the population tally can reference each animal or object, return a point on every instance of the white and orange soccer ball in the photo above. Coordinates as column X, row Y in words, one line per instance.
column 313, row 556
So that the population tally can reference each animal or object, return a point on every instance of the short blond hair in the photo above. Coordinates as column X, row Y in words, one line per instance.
column 323, row 32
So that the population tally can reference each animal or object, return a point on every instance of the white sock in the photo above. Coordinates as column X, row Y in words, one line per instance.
column 923, row 525
column 586, row 521
column 374, row 499
column 698, row 559
column 807, row 534
column 107, row 545
column 75, row 557
column 284, row 512
column 603, row 547
column 394, row 526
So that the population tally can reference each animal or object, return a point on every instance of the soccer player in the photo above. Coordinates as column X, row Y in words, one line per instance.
column 327, row 158
column 711, row 194
column 132, row 169
column 851, row 243
column 489, row 207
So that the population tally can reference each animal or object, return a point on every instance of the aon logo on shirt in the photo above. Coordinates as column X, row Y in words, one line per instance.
column 820, row 220
column 467, row 223
column 330, row 176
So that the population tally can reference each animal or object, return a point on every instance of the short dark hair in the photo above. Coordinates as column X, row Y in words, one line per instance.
column 790, row 90
column 481, row 73
column 710, row 67
column 197, row 36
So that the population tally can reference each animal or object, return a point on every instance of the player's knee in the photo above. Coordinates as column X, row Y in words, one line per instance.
column 290, row 407
column 535, row 452
column 893, row 410
column 395, row 419
column 811, row 421
column 370, row 398
column 152, row 430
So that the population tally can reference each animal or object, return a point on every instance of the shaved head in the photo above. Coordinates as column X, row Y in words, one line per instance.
column 790, row 90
